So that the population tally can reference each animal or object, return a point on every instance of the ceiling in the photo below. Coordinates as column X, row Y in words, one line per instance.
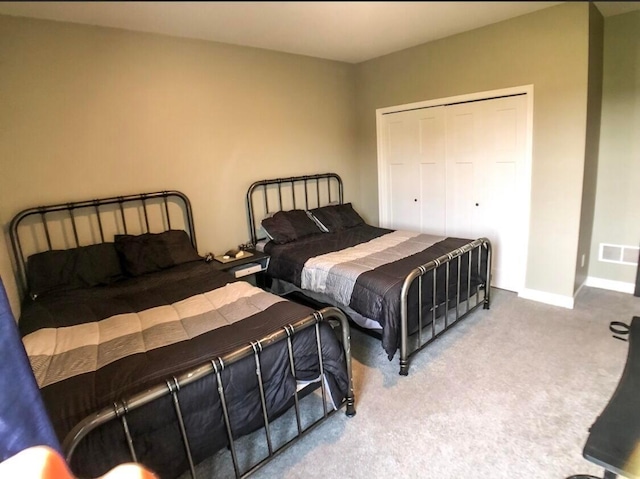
column 345, row 31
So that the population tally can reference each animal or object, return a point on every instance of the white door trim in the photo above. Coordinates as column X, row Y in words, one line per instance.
column 485, row 95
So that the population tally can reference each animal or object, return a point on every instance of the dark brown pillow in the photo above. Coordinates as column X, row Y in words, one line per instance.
column 151, row 252
column 286, row 226
column 337, row 217
column 82, row 267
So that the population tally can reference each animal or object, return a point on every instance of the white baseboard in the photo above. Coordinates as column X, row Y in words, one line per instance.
column 568, row 301
column 547, row 298
column 610, row 284
column 584, row 283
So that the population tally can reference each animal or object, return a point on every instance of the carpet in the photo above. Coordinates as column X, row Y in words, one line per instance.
column 508, row 393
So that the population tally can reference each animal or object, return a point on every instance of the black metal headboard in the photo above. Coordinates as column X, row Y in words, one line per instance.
column 296, row 192
column 81, row 223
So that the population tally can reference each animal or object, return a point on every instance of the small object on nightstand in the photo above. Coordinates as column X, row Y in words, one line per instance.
column 252, row 264
column 233, row 255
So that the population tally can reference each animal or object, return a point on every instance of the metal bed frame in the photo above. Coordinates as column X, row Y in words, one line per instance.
column 122, row 408
column 131, row 214
column 134, row 214
column 325, row 188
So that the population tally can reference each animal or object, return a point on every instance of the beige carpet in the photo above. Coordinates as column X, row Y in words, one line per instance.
column 508, row 393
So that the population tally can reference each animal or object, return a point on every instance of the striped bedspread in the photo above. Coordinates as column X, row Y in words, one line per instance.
column 364, row 267
column 57, row 354
column 335, row 274
column 92, row 347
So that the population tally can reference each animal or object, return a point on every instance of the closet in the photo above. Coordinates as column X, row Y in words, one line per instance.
column 459, row 169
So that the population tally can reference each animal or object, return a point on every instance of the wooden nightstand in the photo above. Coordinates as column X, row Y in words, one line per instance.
column 252, row 264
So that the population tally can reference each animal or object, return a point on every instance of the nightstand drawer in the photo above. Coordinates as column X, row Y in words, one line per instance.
column 246, row 269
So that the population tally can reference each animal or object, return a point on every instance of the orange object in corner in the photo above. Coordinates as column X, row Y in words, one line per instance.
column 42, row 462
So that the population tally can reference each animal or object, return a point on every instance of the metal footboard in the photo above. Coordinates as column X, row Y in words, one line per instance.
column 121, row 409
column 428, row 328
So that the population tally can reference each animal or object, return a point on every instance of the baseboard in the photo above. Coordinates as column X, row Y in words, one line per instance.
column 547, row 298
column 610, row 284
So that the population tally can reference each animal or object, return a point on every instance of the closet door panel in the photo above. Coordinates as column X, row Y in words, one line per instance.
column 433, row 212
column 504, row 132
column 415, row 153
column 464, row 169
column 403, row 185
column 461, row 205
column 432, row 169
column 403, row 209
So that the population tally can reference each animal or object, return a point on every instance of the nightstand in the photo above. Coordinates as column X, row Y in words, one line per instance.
column 251, row 266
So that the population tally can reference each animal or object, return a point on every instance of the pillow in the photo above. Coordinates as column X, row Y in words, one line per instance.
column 337, row 217
column 82, row 267
column 263, row 232
column 151, row 252
column 286, row 226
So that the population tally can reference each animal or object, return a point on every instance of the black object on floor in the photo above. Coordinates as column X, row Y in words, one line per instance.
column 614, row 438
column 584, row 476
column 607, row 475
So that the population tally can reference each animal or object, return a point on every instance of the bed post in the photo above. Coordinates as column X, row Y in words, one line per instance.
column 487, row 285
column 404, row 329
column 337, row 314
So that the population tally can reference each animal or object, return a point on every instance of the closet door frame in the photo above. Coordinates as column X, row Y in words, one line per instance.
column 525, row 188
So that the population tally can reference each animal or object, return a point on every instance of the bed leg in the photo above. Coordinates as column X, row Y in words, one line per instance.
column 487, row 299
column 487, row 285
column 404, row 367
column 351, row 407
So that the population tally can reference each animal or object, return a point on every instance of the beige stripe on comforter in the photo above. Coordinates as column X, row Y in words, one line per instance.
column 60, row 353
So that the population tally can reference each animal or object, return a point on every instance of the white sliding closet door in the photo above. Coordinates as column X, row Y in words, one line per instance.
column 458, row 170
column 416, row 156
column 485, row 161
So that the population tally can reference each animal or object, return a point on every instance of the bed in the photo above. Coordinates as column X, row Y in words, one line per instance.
column 144, row 351
column 405, row 287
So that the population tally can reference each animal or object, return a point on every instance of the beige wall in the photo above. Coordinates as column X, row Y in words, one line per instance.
column 594, row 110
column 90, row 112
column 618, row 187
column 97, row 112
column 548, row 49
